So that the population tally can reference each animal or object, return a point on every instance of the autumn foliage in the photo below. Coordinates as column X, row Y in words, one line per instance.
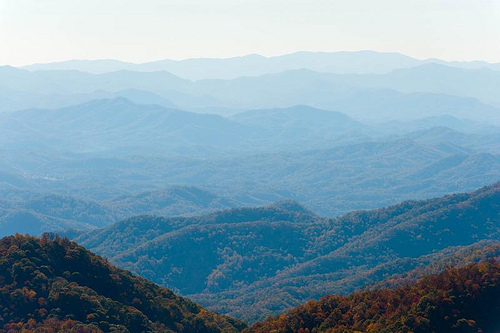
column 54, row 285
column 463, row 299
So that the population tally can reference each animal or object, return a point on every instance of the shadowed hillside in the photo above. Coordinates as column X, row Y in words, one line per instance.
column 251, row 262
column 57, row 285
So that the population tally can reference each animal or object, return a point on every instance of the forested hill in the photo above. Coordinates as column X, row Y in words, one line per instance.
column 252, row 262
column 55, row 285
column 466, row 299
column 132, row 232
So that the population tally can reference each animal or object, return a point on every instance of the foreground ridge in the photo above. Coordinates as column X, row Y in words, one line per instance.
column 55, row 285
column 463, row 299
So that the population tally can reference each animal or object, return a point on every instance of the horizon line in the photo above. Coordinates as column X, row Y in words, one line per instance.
column 246, row 55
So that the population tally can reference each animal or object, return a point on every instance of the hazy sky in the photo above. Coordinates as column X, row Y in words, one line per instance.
column 144, row 30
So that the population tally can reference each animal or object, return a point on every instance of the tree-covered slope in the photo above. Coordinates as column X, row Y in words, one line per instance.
column 133, row 232
column 251, row 262
column 34, row 212
column 330, row 181
column 463, row 299
column 56, row 285
column 352, row 247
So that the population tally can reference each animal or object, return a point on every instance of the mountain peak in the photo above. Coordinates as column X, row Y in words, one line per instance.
column 291, row 206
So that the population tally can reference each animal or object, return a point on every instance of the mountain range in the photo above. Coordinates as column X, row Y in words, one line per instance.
column 252, row 262
column 361, row 62
column 109, row 125
column 404, row 94
column 329, row 181
column 102, row 125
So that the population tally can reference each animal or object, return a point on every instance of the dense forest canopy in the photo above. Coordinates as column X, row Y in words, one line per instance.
column 463, row 299
column 252, row 262
column 54, row 285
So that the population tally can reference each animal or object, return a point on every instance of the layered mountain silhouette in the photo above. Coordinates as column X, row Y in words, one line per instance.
column 409, row 93
column 119, row 124
column 361, row 62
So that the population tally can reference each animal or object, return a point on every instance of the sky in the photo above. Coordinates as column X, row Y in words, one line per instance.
column 34, row 31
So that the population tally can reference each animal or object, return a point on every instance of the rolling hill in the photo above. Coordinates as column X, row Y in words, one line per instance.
column 117, row 124
column 287, row 124
column 253, row 262
column 35, row 213
column 331, row 181
column 121, row 126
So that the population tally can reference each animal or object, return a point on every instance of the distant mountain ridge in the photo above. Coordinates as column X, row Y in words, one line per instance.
column 411, row 93
column 358, row 62
column 119, row 124
column 48, row 212
column 329, row 179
